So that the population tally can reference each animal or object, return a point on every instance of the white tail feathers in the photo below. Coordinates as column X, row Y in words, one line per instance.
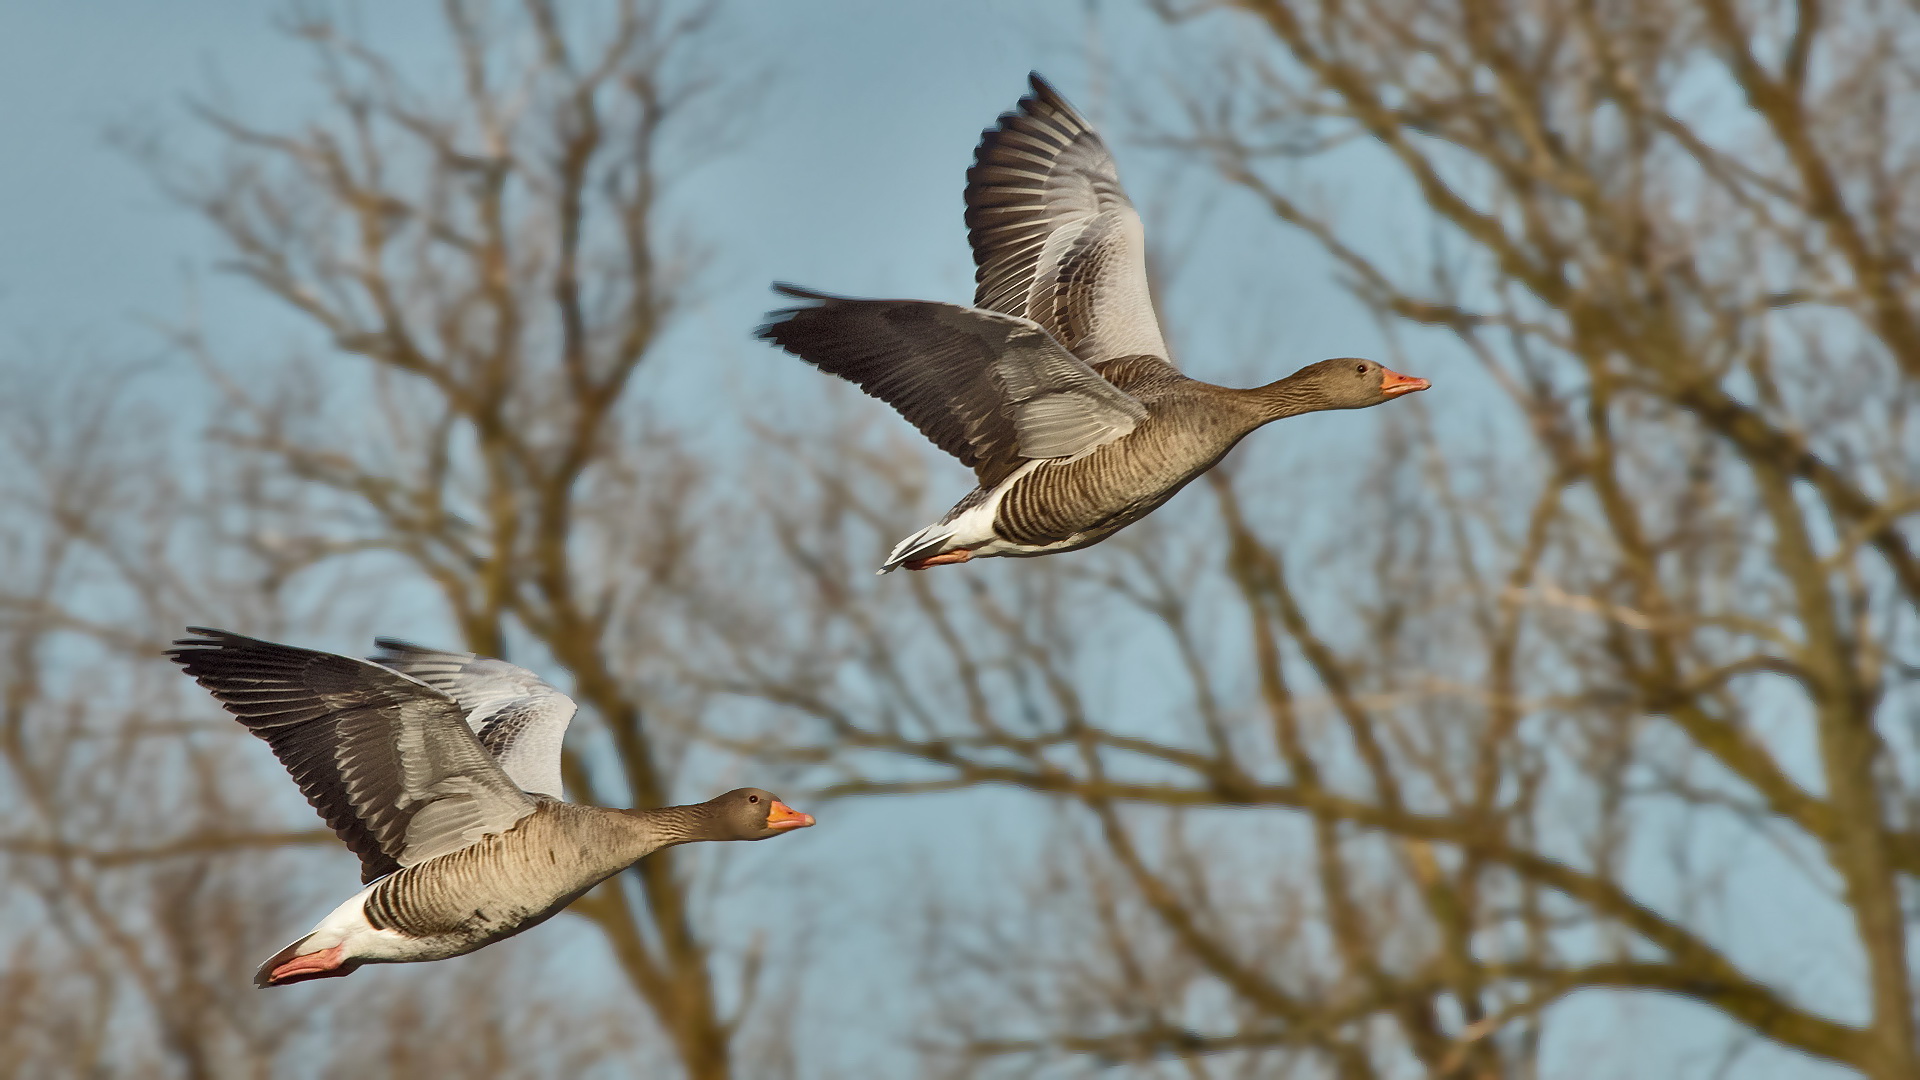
column 925, row 544
column 967, row 527
column 263, row 975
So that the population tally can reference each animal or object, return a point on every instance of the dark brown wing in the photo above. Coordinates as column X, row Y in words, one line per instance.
column 387, row 760
column 992, row 390
column 1055, row 238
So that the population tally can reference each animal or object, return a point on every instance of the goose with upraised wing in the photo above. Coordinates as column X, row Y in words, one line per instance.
column 421, row 762
column 1056, row 386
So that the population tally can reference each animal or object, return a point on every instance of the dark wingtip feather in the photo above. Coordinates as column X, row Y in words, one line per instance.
column 204, row 636
column 205, row 639
column 779, row 320
column 1041, row 87
column 814, row 297
column 210, row 639
column 1041, row 96
column 394, row 644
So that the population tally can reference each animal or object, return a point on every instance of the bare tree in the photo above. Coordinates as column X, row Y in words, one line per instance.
column 487, row 264
column 1354, row 763
column 1549, row 693
column 148, row 857
column 499, row 263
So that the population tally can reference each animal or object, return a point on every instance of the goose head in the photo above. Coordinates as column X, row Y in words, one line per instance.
column 1350, row 382
column 751, row 814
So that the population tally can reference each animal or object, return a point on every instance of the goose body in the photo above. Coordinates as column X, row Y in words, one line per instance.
column 1056, row 386
column 450, row 905
column 455, row 855
column 1063, row 504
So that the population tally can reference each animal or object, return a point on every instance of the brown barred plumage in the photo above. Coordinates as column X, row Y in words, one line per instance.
column 511, row 881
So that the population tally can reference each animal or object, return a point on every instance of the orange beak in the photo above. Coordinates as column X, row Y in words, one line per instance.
column 1393, row 384
column 781, row 816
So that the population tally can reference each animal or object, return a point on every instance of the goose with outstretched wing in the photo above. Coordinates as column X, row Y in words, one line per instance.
column 1056, row 387
column 455, row 853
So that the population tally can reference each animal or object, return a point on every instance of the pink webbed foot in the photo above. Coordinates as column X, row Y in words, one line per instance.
column 963, row 555
column 325, row 964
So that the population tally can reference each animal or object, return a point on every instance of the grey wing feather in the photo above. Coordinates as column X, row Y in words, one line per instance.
column 1062, row 425
column 519, row 717
column 387, row 760
column 991, row 389
column 1055, row 237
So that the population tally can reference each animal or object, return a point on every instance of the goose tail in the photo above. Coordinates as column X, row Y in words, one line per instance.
column 967, row 532
column 925, row 544
column 300, row 962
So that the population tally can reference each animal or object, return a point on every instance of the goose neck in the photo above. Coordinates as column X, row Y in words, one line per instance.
column 668, row 825
column 1286, row 397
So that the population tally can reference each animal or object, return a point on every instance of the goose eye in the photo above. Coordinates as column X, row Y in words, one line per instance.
column 1360, row 369
column 753, row 798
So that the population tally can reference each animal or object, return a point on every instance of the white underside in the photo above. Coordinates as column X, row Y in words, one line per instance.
column 347, row 925
column 972, row 530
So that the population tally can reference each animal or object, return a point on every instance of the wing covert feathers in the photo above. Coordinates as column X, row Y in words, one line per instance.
column 991, row 389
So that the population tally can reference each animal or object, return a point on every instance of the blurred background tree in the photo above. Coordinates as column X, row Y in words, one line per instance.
column 495, row 260
column 1642, row 607
column 487, row 268
column 1413, row 744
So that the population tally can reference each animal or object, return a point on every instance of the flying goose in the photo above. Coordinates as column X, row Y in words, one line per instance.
column 1055, row 387
column 455, row 852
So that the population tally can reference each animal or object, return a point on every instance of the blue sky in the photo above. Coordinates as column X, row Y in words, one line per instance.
column 848, row 179
column 893, row 96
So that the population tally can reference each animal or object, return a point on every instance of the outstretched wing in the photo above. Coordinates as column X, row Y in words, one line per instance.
column 993, row 390
column 387, row 760
column 1055, row 238
column 519, row 717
